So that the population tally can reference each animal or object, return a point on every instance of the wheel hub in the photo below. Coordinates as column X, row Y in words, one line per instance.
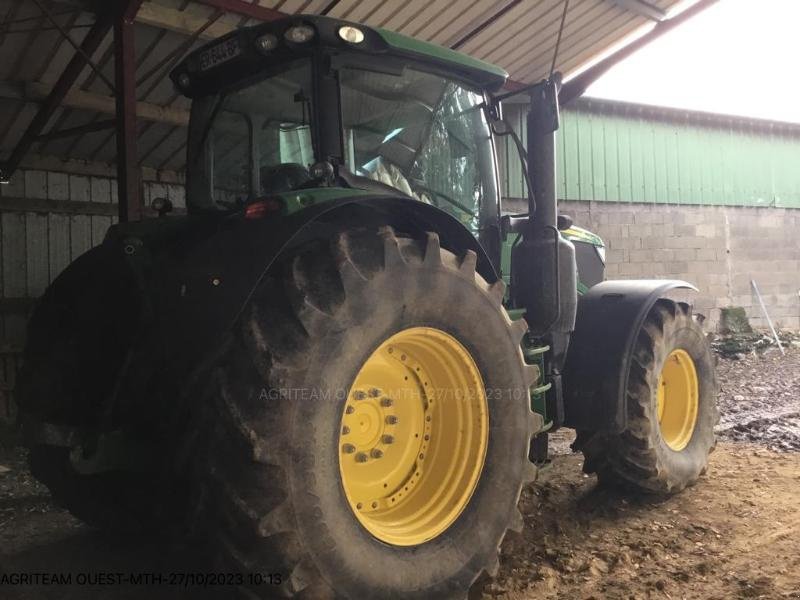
column 677, row 399
column 413, row 436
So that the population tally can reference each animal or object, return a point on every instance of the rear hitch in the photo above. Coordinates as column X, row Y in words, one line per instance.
column 92, row 453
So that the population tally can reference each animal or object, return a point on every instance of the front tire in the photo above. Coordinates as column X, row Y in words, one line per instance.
column 671, row 407
column 271, row 445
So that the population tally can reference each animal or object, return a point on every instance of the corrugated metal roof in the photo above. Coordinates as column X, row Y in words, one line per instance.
column 683, row 116
column 518, row 35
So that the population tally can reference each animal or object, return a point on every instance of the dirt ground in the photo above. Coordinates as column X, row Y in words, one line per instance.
column 759, row 398
column 735, row 534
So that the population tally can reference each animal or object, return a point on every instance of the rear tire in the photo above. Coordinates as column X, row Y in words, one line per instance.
column 117, row 502
column 267, row 456
column 646, row 456
column 75, row 348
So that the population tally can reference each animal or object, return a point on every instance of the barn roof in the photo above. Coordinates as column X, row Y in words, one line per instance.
column 517, row 35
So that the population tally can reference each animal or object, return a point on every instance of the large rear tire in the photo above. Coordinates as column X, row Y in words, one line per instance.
column 76, row 345
column 272, row 447
column 117, row 501
column 671, row 400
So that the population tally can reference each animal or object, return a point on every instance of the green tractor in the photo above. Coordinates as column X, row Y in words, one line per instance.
column 341, row 365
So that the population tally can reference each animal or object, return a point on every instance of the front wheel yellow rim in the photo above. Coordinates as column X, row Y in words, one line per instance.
column 413, row 436
column 677, row 399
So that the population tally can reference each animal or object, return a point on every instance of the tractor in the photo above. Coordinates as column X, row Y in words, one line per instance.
column 340, row 366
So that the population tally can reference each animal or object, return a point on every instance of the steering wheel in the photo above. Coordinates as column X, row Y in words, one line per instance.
column 283, row 178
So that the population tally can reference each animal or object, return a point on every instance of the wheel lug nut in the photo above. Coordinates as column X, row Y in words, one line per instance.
column 361, row 457
column 349, row 410
column 376, row 453
column 348, row 448
column 374, row 392
column 359, row 395
column 345, row 430
column 387, row 439
column 386, row 402
column 391, row 420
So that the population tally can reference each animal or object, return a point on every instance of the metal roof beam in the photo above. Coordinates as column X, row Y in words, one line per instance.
column 98, row 169
column 178, row 21
column 577, row 86
column 92, row 127
column 642, row 8
column 245, row 9
column 81, row 100
column 57, row 94
column 483, row 25
column 68, row 38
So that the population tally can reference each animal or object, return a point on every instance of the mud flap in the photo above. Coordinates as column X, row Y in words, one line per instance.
column 595, row 375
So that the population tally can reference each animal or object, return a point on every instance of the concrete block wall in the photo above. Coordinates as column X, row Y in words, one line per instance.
column 720, row 249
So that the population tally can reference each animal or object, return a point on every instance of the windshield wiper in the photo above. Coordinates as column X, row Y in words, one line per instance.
column 305, row 103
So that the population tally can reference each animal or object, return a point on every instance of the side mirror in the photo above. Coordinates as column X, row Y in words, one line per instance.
column 546, row 116
column 564, row 222
column 513, row 223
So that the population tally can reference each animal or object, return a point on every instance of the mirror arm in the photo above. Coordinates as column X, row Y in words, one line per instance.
column 522, row 158
column 523, row 90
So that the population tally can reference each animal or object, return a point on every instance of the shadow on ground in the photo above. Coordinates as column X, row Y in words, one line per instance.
column 39, row 539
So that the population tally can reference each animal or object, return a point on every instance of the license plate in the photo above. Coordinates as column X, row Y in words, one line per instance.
column 220, row 53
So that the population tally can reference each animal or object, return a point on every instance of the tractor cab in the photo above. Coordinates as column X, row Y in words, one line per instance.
column 286, row 109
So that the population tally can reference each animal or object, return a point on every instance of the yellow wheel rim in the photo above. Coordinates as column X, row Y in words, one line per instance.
column 413, row 436
column 677, row 399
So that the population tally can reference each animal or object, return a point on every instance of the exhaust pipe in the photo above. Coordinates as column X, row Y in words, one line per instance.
column 544, row 276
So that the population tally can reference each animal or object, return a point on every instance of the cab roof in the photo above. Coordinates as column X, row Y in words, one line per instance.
column 236, row 56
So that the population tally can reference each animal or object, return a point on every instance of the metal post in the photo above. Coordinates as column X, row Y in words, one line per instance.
column 128, row 172
column 766, row 315
column 541, row 132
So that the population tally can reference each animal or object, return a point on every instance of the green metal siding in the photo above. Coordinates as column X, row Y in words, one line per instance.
column 619, row 152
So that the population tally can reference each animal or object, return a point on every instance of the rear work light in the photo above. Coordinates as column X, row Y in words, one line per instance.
column 262, row 208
